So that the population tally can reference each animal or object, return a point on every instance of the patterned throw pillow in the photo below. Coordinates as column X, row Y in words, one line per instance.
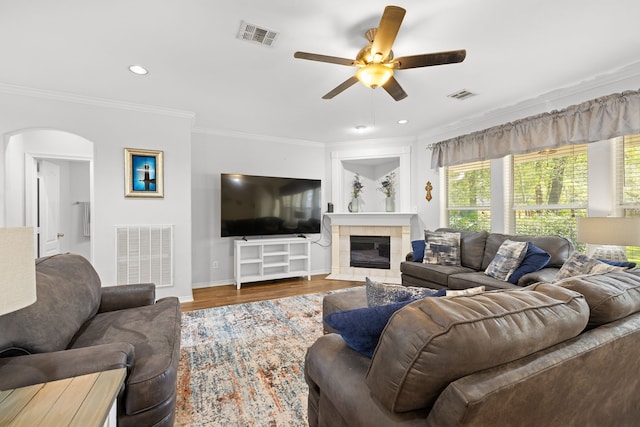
column 442, row 248
column 579, row 264
column 508, row 258
column 386, row 293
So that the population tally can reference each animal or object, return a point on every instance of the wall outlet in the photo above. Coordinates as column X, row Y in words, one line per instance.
column 214, row 264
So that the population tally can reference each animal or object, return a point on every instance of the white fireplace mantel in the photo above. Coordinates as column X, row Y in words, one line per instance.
column 383, row 219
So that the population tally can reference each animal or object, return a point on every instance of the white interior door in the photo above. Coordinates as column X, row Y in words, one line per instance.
column 49, row 208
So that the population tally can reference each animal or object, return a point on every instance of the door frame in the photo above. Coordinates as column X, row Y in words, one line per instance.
column 31, row 189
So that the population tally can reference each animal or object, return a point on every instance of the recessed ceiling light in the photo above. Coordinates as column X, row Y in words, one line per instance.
column 138, row 69
column 403, row 121
column 361, row 128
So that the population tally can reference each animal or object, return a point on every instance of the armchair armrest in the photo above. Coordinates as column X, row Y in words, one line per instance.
column 21, row 371
column 127, row 296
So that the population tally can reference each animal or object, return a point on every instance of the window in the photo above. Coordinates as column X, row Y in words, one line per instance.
column 469, row 196
column 628, row 167
column 550, row 191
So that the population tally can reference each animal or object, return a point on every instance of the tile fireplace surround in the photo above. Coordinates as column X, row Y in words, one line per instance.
column 396, row 225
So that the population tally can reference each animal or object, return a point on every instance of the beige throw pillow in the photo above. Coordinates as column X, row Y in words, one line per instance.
column 465, row 292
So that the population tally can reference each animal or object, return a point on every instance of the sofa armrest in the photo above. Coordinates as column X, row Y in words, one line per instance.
column 21, row 371
column 544, row 275
column 127, row 296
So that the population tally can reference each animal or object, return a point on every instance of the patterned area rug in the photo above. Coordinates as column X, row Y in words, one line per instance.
column 242, row 365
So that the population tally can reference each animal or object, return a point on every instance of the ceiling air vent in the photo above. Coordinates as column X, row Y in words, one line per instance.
column 461, row 94
column 255, row 34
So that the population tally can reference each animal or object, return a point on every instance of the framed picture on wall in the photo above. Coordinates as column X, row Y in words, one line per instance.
column 143, row 173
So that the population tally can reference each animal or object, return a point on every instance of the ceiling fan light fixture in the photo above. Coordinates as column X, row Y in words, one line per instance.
column 374, row 75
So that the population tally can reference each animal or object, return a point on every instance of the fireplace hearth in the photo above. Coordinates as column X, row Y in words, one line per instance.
column 370, row 252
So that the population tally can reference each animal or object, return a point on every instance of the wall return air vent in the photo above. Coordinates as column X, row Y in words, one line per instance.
column 255, row 34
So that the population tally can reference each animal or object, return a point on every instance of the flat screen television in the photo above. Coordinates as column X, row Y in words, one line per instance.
column 265, row 205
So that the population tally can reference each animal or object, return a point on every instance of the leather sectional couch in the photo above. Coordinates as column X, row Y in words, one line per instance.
column 477, row 250
column 549, row 354
column 77, row 327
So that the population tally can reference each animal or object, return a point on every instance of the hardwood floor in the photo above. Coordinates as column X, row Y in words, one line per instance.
column 216, row 296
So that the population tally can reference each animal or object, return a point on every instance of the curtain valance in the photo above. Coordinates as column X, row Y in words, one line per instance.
column 595, row 120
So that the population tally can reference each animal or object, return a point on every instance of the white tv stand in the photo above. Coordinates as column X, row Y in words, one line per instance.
column 268, row 259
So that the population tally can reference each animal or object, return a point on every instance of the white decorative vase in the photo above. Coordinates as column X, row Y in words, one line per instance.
column 389, row 205
column 354, row 205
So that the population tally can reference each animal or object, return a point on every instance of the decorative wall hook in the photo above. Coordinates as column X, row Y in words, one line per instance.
column 428, row 187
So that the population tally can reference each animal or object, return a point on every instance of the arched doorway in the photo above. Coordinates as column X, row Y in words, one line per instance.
column 49, row 186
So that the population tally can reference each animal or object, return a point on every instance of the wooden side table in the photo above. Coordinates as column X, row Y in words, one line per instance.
column 86, row 400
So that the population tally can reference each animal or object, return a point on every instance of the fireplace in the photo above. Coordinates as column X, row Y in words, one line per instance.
column 370, row 251
column 394, row 227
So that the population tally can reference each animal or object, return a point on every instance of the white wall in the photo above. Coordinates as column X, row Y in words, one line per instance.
column 213, row 154
column 111, row 127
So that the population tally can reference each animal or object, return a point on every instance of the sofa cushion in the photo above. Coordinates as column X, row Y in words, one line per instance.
column 477, row 278
column 437, row 275
column 68, row 293
column 154, row 332
column 534, row 259
column 508, row 258
column 387, row 293
column 471, row 247
column 442, row 248
column 559, row 248
column 611, row 296
column 435, row 341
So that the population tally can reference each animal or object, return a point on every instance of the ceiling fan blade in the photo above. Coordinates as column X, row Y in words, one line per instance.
column 324, row 58
column 387, row 32
column 429, row 59
column 394, row 89
column 341, row 87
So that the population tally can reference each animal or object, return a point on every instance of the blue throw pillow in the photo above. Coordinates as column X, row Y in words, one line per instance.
column 361, row 327
column 627, row 264
column 418, row 249
column 535, row 259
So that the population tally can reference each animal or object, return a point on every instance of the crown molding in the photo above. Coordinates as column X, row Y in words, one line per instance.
column 93, row 101
column 257, row 137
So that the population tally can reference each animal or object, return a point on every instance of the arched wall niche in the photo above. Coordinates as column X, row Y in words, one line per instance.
column 73, row 155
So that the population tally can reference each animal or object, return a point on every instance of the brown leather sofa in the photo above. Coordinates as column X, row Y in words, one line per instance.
column 77, row 327
column 561, row 354
column 477, row 250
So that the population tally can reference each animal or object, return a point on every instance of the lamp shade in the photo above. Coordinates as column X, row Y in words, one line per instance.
column 609, row 231
column 374, row 75
column 17, row 269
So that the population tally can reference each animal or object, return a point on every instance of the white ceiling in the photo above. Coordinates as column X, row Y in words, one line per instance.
column 516, row 51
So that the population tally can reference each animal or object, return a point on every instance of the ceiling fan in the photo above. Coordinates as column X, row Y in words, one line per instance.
column 375, row 61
